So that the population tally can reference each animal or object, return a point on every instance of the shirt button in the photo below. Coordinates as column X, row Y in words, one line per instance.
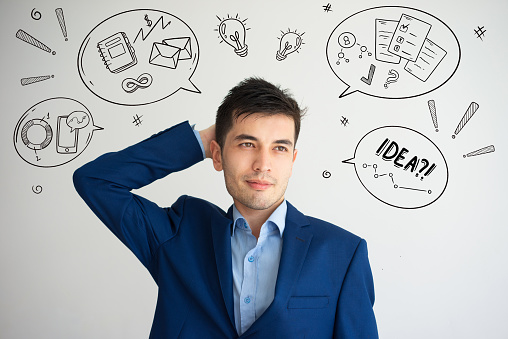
column 246, row 300
column 251, row 258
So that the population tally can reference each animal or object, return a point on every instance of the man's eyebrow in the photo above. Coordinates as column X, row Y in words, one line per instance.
column 284, row 142
column 245, row 137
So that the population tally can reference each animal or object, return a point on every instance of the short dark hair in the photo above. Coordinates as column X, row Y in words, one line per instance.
column 255, row 95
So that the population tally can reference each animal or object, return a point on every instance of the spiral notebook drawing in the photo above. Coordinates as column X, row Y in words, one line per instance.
column 117, row 52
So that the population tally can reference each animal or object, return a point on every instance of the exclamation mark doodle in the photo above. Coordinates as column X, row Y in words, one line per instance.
column 22, row 35
column 61, row 21
column 471, row 110
column 484, row 150
column 432, row 108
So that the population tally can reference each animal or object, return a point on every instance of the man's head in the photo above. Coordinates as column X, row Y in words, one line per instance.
column 255, row 95
column 256, row 131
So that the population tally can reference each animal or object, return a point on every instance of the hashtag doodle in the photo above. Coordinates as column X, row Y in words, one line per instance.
column 130, row 85
column 480, row 32
column 344, row 121
column 327, row 8
column 137, row 120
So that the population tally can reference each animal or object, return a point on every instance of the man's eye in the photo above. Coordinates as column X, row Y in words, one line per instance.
column 247, row 144
column 281, row 148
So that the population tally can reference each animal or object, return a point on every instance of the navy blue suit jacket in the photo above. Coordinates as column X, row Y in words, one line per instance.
column 324, row 285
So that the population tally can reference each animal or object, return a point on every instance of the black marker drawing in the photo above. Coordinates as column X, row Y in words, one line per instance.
column 471, row 110
column 37, row 189
column 36, row 15
column 433, row 114
column 289, row 42
column 53, row 132
column 152, row 50
column 393, row 76
column 326, row 174
column 413, row 163
column 130, row 85
column 480, row 32
column 61, row 21
column 24, row 36
column 368, row 79
column 233, row 32
column 484, row 150
column 33, row 80
column 413, row 47
column 137, row 120
column 327, row 8
column 344, row 121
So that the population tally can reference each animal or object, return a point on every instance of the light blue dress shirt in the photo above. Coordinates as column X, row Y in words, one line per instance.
column 255, row 263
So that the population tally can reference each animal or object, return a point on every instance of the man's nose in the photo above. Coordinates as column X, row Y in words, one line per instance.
column 262, row 162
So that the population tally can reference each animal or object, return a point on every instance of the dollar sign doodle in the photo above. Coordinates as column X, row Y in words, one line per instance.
column 148, row 21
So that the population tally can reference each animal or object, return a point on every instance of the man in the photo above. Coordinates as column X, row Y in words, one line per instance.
column 260, row 270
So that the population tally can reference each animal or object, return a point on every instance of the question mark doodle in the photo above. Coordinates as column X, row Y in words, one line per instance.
column 326, row 174
column 36, row 15
column 37, row 189
column 393, row 76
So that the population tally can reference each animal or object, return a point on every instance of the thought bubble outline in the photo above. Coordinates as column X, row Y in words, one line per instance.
column 348, row 90
column 353, row 161
column 55, row 107
column 183, row 78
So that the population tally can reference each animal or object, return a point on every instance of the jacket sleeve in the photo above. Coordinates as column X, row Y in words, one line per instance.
column 105, row 185
column 355, row 315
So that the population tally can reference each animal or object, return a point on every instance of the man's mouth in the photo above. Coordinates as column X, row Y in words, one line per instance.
column 259, row 184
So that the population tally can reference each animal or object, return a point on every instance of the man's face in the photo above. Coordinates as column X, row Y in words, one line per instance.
column 257, row 159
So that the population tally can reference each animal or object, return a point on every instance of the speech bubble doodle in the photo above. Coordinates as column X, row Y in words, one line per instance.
column 381, row 41
column 77, row 120
column 401, row 167
column 158, row 59
column 53, row 132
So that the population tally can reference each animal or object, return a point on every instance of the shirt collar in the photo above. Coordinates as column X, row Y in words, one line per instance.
column 278, row 218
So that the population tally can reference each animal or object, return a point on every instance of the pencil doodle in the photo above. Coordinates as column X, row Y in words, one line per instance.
column 402, row 49
column 153, row 50
column 53, row 132
column 418, row 165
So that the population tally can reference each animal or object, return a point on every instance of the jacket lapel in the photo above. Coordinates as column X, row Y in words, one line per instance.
column 221, row 234
column 296, row 240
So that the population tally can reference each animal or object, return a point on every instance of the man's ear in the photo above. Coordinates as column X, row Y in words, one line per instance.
column 216, row 155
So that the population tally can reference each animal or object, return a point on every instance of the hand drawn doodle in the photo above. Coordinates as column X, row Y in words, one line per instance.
column 53, row 132
column 326, row 174
column 36, row 15
column 33, row 80
column 484, row 150
column 233, row 31
column 433, row 114
column 416, row 168
column 480, row 32
column 413, row 47
column 37, row 189
column 137, row 120
column 328, row 7
column 289, row 42
column 61, row 21
column 165, row 53
column 24, row 36
column 471, row 110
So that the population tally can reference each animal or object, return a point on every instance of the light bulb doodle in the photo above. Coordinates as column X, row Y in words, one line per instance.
column 289, row 42
column 232, row 31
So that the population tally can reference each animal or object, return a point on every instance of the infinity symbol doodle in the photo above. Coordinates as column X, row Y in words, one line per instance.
column 143, row 81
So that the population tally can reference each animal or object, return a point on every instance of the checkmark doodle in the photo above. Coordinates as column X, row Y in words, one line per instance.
column 368, row 80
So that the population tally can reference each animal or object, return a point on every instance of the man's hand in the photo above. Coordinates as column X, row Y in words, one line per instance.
column 207, row 135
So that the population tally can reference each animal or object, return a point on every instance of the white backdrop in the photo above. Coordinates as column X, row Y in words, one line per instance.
column 437, row 246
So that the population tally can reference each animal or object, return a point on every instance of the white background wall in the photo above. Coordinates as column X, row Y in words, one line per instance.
column 440, row 271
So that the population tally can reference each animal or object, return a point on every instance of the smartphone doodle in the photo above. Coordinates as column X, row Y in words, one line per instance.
column 66, row 137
